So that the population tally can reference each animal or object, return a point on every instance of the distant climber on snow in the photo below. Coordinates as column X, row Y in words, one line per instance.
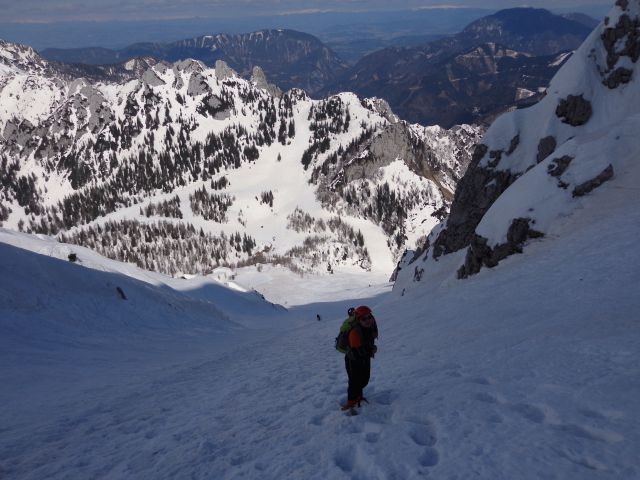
column 357, row 341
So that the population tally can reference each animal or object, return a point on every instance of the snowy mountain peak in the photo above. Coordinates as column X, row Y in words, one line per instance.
column 223, row 164
column 537, row 166
column 224, row 71
column 259, row 79
column 141, row 64
column 22, row 57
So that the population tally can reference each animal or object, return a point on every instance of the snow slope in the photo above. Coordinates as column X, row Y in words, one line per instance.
column 527, row 372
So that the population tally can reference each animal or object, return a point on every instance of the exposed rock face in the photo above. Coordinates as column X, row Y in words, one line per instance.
column 189, row 66
column 197, row 85
column 546, row 147
column 515, row 141
column 259, row 79
column 479, row 254
column 559, row 165
column 392, row 143
column 383, row 108
column 152, row 79
column 619, row 76
column 620, row 40
column 224, row 71
column 586, row 187
column 22, row 57
column 398, row 141
column 476, row 192
column 574, row 110
column 403, row 262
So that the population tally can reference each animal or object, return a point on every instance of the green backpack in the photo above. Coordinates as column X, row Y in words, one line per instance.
column 342, row 340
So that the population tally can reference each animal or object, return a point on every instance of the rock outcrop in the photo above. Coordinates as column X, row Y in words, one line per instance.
column 560, row 151
column 574, row 110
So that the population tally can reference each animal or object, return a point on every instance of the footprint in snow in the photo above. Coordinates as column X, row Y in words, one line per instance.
column 430, row 457
column 495, row 418
column 591, row 433
column 423, row 433
column 317, row 420
column 344, row 460
column 530, row 412
column 482, row 381
column 592, row 414
column 372, row 437
column 488, row 398
column 452, row 369
column 372, row 431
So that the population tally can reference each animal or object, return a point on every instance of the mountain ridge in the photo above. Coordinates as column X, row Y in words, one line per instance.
column 182, row 150
column 413, row 79
column 288, row 57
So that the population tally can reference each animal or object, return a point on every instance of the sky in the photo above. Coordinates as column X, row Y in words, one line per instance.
column 46, row 11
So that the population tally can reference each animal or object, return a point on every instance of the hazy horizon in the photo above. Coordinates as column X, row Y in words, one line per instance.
column 66, row 30
column 50, row 11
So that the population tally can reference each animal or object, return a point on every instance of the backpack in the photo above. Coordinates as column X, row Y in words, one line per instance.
column 342, row 340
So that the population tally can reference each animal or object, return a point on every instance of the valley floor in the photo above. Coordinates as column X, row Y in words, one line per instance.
column 526, row 371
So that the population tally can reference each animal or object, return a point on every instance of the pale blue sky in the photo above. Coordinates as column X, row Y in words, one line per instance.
column 101, row 10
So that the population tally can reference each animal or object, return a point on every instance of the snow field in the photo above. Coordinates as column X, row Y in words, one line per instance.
column 525, row 371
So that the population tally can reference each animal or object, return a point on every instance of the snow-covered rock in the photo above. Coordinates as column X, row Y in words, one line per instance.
column 536, row 167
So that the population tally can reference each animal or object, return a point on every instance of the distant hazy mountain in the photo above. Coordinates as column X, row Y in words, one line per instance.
column 353, row 49
column 505, row 57
column 582, row 18
column 289, row 58
column 531, row 30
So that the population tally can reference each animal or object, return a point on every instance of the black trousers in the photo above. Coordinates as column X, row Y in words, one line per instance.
column 358, row 371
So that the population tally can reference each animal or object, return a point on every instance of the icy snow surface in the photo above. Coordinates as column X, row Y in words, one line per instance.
column 527, row 371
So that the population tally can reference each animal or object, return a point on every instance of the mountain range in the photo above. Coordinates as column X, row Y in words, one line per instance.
column 506, row 59
column 180, row 167
column 289, row 58
column 495, row 63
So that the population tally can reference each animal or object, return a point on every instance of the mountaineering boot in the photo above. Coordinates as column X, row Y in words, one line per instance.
column 349, row 405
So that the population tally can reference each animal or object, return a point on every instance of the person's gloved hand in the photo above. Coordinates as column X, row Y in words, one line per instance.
column 374, row 350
